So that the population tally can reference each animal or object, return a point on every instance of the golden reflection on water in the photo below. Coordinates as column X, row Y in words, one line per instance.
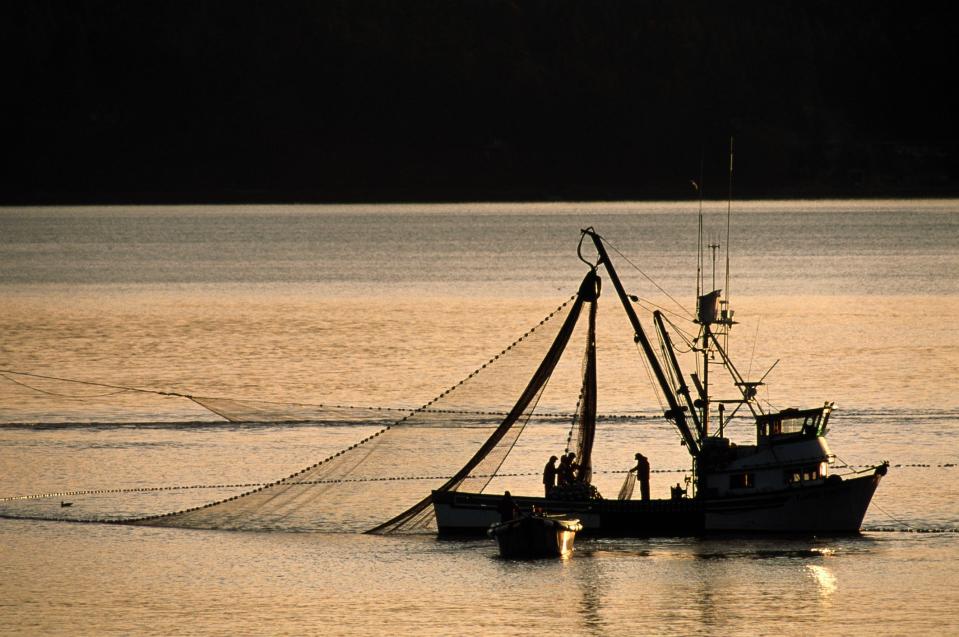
column 825, row 579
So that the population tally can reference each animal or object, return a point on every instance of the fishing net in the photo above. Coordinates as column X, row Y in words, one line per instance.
column 626, row 491
column 383, row 483
column 583, row 431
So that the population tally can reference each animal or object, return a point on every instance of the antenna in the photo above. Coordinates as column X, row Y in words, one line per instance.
column 729, row 205
column 699, row 244
column 714, row 247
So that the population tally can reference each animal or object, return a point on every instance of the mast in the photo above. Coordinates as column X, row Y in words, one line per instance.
column 746, row 388
column 714, row 309
column 706, row 316
column 705, row 393
column 675, row 412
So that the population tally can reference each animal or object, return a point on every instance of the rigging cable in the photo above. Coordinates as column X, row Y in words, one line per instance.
column 755, row 341
column 648, row 278
column 640, row 300
column 685, row 336
column 893, row 518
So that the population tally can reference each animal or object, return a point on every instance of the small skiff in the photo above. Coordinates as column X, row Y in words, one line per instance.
column 535, row 536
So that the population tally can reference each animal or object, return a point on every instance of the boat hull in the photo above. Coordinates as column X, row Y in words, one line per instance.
column 533, row 537
column 831, row 508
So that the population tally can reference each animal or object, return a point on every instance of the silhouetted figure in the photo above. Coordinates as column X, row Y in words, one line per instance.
column 549, row 474
column 564, row 472
column 642, row 474
column 573, row 468
column 507, row 508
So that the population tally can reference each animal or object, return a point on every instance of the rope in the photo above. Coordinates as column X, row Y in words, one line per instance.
column 87, row 382
column 889, row 529
column 649, row 376
column 902, row 465
column 50, row 393
column 686, row 337
column 643, row 302
column 196, row 399
column 948, row 465
column 648, row 278
column 891, row 516
column 250, row 485
column 61, row 494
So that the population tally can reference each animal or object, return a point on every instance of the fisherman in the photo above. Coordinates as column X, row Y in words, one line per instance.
column 642, row 474
column 507, row 508
column 549, row 475
column 573, row 468
column 564, row 472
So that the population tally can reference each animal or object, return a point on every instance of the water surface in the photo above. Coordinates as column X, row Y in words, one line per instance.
column 390, row 305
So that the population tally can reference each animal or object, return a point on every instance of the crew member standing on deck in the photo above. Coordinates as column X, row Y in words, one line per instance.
column 564, row 473
column 642, row 474
column 549, row 475
column 573, row 468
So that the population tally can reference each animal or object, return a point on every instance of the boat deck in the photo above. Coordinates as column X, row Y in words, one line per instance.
column 834, row 508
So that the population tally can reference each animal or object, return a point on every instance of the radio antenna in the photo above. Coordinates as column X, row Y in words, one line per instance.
column 729, row 205
column 699, row 245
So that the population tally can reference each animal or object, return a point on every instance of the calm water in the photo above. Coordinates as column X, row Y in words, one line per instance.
column 388, row 305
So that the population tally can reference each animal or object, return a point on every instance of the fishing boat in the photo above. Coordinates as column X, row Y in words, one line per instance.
column 532, row 536
column 434, row 468
column 781, row 483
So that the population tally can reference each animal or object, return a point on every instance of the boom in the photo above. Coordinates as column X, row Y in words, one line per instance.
column 675, row 412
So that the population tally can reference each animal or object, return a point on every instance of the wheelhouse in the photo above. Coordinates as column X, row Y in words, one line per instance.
column 790, row 424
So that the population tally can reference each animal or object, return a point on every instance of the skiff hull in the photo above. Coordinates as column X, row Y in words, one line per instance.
column 832, row 508
column 533, row 537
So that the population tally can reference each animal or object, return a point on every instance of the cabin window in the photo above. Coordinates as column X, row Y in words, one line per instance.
column 741, row 481
column 803, row 474
column 807, row 422
column 791, row 425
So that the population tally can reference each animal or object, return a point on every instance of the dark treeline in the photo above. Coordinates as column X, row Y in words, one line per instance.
column 348, row 100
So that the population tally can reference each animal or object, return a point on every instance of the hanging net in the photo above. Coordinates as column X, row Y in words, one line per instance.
column 583, row 430
column 576, row 468
column 457, row 442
